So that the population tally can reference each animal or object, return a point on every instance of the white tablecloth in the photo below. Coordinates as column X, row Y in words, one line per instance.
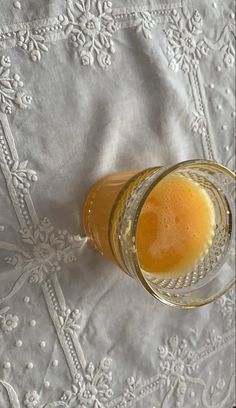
column 88, row 88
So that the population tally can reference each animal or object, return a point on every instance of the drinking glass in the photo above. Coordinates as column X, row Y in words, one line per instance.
column 111, row 214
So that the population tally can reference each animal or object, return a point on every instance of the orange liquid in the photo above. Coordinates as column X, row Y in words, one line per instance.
column 98, row 207
column 175, row 227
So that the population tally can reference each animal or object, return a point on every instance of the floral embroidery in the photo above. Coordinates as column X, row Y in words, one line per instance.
column 31, row 43
column 199, row 124
column 217, row 387
column 145, row 22
column 185, row 50
column 229, row 48
column 186, row 47
column 93, row 390
column 213, row 339
column 69, row 319
column 91, row 33
column 88, row 24
column 129, row 392
column 229, row 156
column 48, row 248
column 229, row 56
column 31, row 399
column 21, row 176
column 8, row 322
column 227, row 307
column 177, row 364
column 11, row 92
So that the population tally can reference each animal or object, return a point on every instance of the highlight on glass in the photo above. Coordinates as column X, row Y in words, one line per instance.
column 172, row 228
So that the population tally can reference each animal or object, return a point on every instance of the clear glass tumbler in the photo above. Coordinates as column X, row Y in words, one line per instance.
column 111, row 214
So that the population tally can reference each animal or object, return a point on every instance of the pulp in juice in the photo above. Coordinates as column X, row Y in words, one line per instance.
column 175, row 227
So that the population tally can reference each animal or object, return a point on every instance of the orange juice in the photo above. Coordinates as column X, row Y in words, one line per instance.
column 98, row 207
column 175, row 227
column 171, row 228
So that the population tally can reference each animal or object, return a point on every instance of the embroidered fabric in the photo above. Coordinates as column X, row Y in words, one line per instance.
column 87, row 88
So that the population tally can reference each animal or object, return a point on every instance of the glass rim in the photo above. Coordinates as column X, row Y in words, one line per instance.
column 134, row 256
